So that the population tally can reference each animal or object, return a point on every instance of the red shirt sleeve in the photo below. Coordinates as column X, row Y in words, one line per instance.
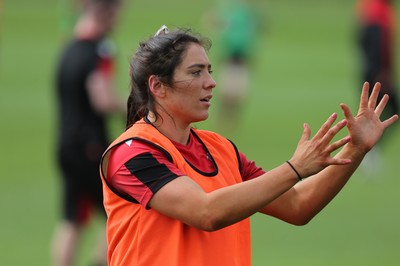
column 139, row 170
column 105, row 66
column 106, row 63
column 249, row 169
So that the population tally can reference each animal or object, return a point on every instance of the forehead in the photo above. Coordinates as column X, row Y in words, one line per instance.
column 195, row 54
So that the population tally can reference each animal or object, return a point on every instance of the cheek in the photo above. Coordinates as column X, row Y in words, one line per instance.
column 185, row 85
column 189, row 90
column 184, row 103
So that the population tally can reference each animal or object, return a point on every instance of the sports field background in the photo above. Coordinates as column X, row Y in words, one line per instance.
column 306, row 64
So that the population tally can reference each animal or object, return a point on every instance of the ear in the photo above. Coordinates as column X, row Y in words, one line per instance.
column 156, row 87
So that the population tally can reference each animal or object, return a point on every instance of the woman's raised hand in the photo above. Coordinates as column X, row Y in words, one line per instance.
column 313, row 155
column 366, row 128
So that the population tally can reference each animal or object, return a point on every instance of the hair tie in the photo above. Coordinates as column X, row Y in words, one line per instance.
column 294, row 169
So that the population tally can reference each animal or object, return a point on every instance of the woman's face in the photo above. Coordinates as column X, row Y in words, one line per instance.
column 189, row 98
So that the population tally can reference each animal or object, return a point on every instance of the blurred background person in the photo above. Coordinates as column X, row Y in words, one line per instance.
column 377, row 22
column 86, row 96
column 238, row 24
column 376, row 41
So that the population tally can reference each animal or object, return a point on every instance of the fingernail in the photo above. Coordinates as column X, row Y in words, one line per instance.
column 333, row 115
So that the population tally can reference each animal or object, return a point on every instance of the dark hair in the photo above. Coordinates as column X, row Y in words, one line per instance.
column 159, row 56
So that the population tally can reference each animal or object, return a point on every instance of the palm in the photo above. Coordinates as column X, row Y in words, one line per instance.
column 366, row 128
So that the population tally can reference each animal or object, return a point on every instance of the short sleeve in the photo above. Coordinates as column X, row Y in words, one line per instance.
column 141, row 171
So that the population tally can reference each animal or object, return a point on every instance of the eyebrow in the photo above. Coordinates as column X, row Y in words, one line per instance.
column 199, row 66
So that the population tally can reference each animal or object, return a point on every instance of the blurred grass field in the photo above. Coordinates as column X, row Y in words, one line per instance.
column 306, row 65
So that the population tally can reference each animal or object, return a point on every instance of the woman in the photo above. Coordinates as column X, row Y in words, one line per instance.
column 175, row 195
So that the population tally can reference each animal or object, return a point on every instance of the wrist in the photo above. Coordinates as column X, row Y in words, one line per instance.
column 353, row 152
column 295, row 170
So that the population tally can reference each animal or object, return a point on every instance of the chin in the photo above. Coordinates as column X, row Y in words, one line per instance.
column 201, row 118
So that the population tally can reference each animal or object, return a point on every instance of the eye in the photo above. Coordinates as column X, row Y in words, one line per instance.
column 210, row 71
column 196, row 73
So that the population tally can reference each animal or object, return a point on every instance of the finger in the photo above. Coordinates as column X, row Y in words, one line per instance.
column 326, row 126
column 382, row 104
column 337, row 144
column 333, row 131
column 347, row 113
column 306, row 133
column 388, row 122
column 374, row 96
column 364, row 96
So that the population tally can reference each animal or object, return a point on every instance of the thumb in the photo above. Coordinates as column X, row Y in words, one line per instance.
column 346, row 111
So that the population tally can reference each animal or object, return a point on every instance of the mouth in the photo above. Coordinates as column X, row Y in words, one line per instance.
column 206, row 99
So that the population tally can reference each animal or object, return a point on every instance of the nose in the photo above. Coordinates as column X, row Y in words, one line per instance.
column 210, row 83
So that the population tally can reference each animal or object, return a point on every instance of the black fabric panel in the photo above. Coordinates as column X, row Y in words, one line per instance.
column 149, row 171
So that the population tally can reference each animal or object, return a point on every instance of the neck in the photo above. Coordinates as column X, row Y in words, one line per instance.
column 171, row 128
column 88, row 28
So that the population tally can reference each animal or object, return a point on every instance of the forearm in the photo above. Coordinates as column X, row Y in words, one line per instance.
column 102, row 94
column 307, row 198
column 225, row 206
column 301, row 203
column 240, row 201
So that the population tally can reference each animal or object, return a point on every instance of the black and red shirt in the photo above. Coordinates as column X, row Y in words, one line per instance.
column 138, row 169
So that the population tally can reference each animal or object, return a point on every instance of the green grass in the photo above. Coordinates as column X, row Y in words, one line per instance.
column 306, row 65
